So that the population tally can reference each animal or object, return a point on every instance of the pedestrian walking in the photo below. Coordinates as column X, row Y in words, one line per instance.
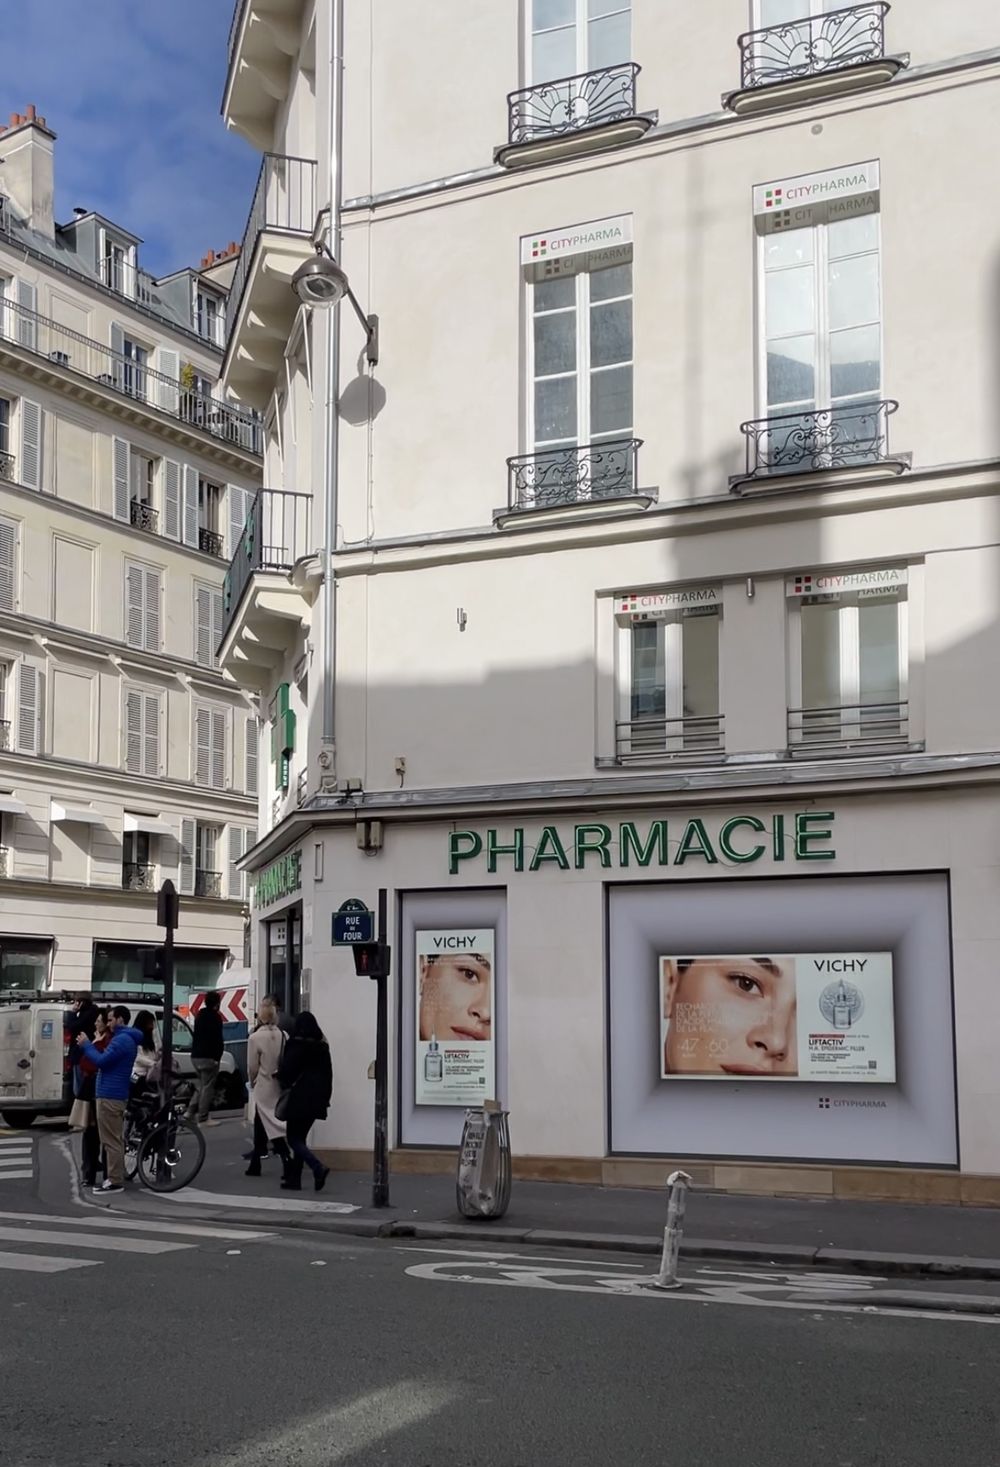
column 206, row 1053
column 306, row 1079
column 90, row 1140
column 114, row 1074
column 282, row 1020
column 265, row 1048
column 147, row 1054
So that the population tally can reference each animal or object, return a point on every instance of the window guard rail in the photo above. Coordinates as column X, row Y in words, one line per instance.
column 138, row 876
column 143, row 516
column 833, row 41
column 275, row 536
column 48, row 340
column 4, row 862
column 652, row 737
column 5, row 743
column 844, row 725
column 7, row 466
column 849, row 435
column 576, row 474
column 210, row 541
column 283, row 201
column 127, row 280
column 207, row 883
column 572, row 103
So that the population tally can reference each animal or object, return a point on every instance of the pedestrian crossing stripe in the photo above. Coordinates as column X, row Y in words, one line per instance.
column 93, row 1234
column 16, row 1158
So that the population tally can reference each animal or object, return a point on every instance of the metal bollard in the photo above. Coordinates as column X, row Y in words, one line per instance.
column 678, row 1182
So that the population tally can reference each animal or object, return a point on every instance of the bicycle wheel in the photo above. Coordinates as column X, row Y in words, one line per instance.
column 171, row 1155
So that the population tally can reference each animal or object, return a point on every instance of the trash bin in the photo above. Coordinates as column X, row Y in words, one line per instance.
column 483, row 1183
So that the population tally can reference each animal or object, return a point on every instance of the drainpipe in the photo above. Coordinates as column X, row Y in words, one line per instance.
column 331, row 463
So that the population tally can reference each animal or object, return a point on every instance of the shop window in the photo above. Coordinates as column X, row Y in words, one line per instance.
column 24, row 963
column 848, row 643
column 119, row 965
column 667, row 672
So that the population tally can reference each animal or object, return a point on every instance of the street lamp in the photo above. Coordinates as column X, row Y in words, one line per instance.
column 322, row 282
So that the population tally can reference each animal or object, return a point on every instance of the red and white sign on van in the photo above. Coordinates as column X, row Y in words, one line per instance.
column 232, row 1010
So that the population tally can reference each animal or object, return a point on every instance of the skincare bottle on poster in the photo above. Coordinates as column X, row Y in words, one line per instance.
column 842, row 1008
column 433, row 1061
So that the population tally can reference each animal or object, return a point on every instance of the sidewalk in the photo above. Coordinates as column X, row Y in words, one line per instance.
column 885, row 1238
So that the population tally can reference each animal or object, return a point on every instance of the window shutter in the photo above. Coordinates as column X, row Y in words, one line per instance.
column 250, row 757
column 203, row 648
column 31, row 444
column 186, row 876
column 202, row 746
column 168, row 393
column 217, row 605
column 30, row 697
column 120, row 454
column 151, row 736
column 189, row 520
column 134, row 605
column 237, row 847
column 218, row 749
column 118, row 350
column 239, row 507
column 151, row 615
column 133, row 732
column 8, row 565
column 171, row 499
column 27, row 325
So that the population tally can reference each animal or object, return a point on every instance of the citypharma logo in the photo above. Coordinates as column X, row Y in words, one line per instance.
column 773, row 199
column 825, row 1103
column 539, row 247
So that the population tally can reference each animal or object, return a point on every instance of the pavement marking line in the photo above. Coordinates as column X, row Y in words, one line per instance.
column 43, row 1263
column 137, row 1225
column 14, row 1158
column 90, row 1240
column 14, row 1176
column 508, row 1257
column 260, row 1204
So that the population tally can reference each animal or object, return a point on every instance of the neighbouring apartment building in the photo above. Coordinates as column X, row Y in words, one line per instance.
column 127, row 755
column 631, row 623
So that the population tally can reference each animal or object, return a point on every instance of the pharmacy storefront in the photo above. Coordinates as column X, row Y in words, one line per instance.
column 789, row 997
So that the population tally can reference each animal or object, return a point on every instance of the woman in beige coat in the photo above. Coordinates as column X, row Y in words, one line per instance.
column 264, row 1050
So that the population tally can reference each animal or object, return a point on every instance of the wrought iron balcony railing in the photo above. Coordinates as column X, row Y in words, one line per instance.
column 284, row 202
column 850, row 435
column 47, row 339
column 5, row 743
column 138, row 876
column 553, row 477
column 572, row 103
column 143, row 516
column 274, row 537
column 210, row 541
column 207, row 883
column 127, row 279
column 849, row 725
column 7, row 466
column 813, row 44
column 652, row 738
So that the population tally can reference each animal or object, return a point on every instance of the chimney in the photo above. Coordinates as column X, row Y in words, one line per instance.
column 26, row 177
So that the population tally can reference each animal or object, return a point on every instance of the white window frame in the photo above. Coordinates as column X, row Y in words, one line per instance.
column 852, row 727
column 12, row 528
column 204, row 293
column 215, row 602
column 160, row 698
column 214, row 711
column 147, row 571
column 107, row 242
column 581, row 38
column 683, row 741
column 821, row 263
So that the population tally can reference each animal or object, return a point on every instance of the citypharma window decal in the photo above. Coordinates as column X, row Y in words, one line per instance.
column 738, row 841
column 800, row 1016
column 455, row 1060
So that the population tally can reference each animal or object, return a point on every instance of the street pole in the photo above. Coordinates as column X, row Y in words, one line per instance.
column 380, row 1176
column 167, row 906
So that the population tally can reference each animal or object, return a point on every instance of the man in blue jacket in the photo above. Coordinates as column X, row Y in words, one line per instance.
column 114, row 1073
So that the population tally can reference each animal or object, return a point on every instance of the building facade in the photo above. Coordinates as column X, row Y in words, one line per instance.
column 629, row 619
column 127, row 755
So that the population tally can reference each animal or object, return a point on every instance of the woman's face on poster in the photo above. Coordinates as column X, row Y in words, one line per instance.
column 730, row 1016
column 456, row 997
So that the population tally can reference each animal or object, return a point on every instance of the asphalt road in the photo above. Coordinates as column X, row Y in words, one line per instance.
column 305, row 1351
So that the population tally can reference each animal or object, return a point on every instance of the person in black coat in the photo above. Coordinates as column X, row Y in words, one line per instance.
column 306, row 1073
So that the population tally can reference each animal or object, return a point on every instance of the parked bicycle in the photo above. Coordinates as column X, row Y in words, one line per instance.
column 163, row 1148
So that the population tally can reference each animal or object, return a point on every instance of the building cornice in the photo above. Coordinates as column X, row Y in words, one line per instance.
column 43, row 770
column 52, row 890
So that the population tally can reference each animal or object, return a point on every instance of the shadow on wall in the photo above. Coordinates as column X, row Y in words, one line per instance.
column 362, row 400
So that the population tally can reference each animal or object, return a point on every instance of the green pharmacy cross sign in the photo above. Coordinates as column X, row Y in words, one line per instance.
column 282, row 737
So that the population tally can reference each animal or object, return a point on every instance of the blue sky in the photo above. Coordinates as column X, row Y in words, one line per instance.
column 133, row 89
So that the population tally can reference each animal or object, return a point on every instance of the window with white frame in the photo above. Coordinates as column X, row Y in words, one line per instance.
column 6, row 456
column 143, row 590
column 569, row 37
column 141, row 478
column 210, row 746
column 209, row 315
column 6, row 684
column 207, row 624
column 117, row 265
column 8, row 564
column 667, row 671
column 848, row 649
column 581, row 374
column 143, row 725
column 820, row 333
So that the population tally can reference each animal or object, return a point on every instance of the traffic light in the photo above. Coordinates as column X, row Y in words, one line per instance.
column 371, row 959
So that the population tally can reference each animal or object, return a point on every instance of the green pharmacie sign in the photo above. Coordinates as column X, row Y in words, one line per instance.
column 739, row 841
column 281, row 879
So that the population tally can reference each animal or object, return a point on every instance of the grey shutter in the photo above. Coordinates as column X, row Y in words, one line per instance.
column 237, row 846
column 239, row 507
column 217, row 605
column 135, row 620
column 27, row 324
column 151, row 611
column 118, row 355
column 186, row 875
column 168, row 393
column 250, row 756
column 202, row 746
column 133, row 731
column 171, row 499
column 121, row 454
column 31, row 444
column 189, row 505
column 30, row 686
column 218, row 749
column 8, row 565
column 151, row 735
column 203, row 646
